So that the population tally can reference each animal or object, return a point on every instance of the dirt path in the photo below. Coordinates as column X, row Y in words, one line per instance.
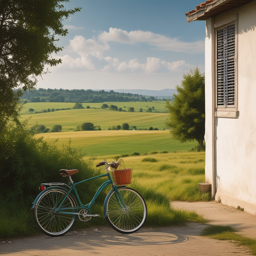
column 148, row 241
column 166, row 241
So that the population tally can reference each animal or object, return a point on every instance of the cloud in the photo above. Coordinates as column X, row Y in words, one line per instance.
column 84, row 47
column 152, row 65
column 159, row 41
column 73, row 27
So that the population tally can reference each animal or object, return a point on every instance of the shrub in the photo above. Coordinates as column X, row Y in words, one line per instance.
column 149, row 110
column 156, row 129
column 39, row 129
column 118, row 127
column 78, row 106
column 149, row 159
column 131, row 109
column 167, row 167
column 56, row 128
column 125, row 126
column 113, row 107
column 150, row 128
column 87, row 126
column 31, row 110
column 104, row 106
column 87, row 106
column 120, row 109
column 25, row 162
column 135, row 154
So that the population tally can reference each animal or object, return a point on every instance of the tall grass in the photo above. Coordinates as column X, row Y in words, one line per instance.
column 25, row 162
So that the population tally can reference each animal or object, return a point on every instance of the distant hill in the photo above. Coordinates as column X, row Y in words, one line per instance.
column 89, row 96
column 165, row 93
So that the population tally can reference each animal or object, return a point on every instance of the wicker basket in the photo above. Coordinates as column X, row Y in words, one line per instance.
column 122, row 177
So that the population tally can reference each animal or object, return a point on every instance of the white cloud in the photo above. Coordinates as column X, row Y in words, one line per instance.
column 159, row 41
column 84, row 47
column 73, row 27
column 152, row 65
column 173, row 65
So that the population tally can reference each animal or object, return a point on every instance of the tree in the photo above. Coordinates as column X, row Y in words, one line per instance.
column 56, row 128
column 104, row 106
column 125, row 126
column 187, row 110
column 131, row 109
column 87, row 127
column 78, row 106
column 29, row 31
column 113, row 107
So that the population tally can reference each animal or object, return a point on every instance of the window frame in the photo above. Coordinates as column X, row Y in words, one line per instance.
column 229, row 111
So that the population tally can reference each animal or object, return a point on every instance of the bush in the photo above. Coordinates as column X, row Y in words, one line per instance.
column 87, row 127
column 125, row 126
column 25, row 162
column 149, row 159
column 131, row 109
column 150, row 128
column 56, row 128
column 104, row 106
column 78, row 106
column 87, row 106
column 118, row 127
column 39, row 129
column 120, row 109
column 113, row 107
column 31, row 110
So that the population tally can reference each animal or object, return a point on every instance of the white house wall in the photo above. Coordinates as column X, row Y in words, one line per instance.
column 235, row 138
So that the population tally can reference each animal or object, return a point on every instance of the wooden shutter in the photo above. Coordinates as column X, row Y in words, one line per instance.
column 226, row 66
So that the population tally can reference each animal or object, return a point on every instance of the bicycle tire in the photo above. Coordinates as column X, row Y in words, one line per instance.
column 129, row 219
column 48, row 222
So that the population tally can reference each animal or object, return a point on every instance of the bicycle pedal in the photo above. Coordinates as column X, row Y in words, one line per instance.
column 95, row 215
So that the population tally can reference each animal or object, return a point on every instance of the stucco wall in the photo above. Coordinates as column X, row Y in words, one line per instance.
column 236, row 138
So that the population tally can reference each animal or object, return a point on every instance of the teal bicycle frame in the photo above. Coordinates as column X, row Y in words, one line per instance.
column 89, row 205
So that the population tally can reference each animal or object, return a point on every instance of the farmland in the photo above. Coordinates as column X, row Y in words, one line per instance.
column 102, row 143
column 70, row 119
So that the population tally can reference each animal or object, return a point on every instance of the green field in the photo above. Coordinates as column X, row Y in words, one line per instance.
column 70, row 119
column 100, row 143
column 39, row 106
column 175, row 175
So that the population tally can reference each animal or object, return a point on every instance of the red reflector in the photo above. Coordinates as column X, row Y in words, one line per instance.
column 42, row 188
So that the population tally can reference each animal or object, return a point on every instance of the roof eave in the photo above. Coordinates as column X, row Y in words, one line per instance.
column 215, row 8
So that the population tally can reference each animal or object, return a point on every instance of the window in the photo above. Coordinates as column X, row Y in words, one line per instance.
column 225, row 61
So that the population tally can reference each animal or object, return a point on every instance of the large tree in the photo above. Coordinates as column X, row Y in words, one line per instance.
column 29, row 30
column 187, row 110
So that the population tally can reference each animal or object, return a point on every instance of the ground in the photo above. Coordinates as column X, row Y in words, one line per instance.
column 185, row 240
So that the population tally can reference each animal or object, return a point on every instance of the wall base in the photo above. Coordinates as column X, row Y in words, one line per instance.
column 235, row 202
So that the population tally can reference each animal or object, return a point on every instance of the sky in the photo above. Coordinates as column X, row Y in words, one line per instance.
column 127, row 44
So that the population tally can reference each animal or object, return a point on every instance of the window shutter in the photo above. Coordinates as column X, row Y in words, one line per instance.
column 226, row 66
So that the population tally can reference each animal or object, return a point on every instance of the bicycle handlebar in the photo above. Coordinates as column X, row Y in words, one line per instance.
column 113, row 164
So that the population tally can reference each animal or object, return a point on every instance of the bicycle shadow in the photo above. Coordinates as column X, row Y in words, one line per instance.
column 105, row 239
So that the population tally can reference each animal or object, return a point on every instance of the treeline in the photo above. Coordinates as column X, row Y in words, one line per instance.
column 86, row 96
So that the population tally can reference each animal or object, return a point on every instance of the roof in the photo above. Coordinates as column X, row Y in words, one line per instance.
column 211, row 8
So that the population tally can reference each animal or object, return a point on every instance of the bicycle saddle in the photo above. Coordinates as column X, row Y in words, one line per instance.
column 64, row 172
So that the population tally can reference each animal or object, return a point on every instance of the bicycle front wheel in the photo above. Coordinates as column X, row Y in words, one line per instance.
column 51, row 223
column 126, row 211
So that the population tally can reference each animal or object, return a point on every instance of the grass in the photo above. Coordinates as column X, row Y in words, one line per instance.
column 100, row 143
column 164, row 174
column 228, row 233
column 39, row 106
column 70, row 119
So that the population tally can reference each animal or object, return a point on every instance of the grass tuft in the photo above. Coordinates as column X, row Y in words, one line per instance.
column 149, row 159
column 227, row 233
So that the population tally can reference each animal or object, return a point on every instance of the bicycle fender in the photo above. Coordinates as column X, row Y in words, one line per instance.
column 38, row 196
column 106, row 199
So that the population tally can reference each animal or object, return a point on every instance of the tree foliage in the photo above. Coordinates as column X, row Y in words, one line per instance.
column 125, row 126
column 87, row 127
column 29, row 30
column 78, row 106
column 187, row 110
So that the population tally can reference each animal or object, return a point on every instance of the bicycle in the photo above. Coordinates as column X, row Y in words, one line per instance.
column 56, row 209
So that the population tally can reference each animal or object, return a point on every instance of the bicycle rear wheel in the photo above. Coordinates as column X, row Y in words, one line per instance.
column 50, row 223
column 128, row 213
